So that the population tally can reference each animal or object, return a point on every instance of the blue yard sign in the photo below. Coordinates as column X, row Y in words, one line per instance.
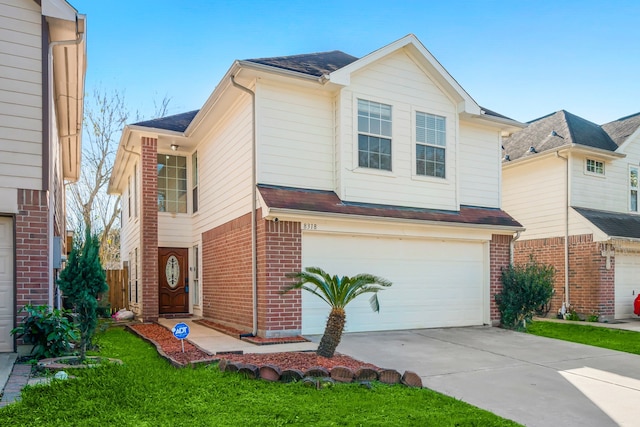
column 181, row 331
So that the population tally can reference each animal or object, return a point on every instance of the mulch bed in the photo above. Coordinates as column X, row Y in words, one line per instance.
column 171, row 347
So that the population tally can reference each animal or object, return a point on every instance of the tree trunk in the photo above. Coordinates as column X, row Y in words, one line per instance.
column 332, row 333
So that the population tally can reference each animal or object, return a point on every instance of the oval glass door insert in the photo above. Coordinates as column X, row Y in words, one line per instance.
column 172, row 271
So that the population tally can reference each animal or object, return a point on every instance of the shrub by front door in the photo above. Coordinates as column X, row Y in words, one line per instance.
column 173, row 280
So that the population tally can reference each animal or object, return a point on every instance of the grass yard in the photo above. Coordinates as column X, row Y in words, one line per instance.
column 614, row 339
column 147, row 391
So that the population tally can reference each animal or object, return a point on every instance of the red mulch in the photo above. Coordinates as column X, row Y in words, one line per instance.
column 287, row 360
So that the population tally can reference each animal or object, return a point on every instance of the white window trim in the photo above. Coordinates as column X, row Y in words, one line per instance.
column 600, row 175
column 356, row 164
column 188, row 212
column 629, row 188
column 414, row 140
column 195, row 276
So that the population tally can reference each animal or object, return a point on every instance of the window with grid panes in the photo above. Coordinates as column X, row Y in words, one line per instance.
column 431, row 141
column 172, row 184
column 374, row 135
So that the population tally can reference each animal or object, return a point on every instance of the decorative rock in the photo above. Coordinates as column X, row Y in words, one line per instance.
column 270, row 372
column 291, row 375
column 310, row 382
column 316, row 371
column 366, row 374
column 250, row 371
column 411, row 379
column 61, row 375
column 232, row 366
column 326, row 382
column 342, row 374
column 222, row 364
column 389, row 376
column 365, row 384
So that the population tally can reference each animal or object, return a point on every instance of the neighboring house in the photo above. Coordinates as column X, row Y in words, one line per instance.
column 381, row 164
column 574, row 186
column 43, row 53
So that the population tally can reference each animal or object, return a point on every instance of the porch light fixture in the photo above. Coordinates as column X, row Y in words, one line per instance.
column 174, row 147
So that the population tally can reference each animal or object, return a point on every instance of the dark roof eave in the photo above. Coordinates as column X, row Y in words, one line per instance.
column 281, row 71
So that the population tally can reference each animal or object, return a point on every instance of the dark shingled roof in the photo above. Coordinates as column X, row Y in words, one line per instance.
column 177, row 122
column 569, row 129
column 619, row 130
column 494, row 114
column 315, row 64
column 613, row 224
column 327, row 201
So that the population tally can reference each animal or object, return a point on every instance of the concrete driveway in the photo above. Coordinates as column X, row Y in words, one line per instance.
column 532, row 380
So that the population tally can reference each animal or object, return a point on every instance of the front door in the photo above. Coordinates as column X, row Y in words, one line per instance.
column 173, row 280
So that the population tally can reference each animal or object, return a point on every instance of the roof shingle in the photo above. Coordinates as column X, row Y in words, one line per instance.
column 613, row 224
column 315, row 64
column 619, row 130
column 177, row 122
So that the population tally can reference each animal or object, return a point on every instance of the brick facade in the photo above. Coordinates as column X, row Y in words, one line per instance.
column 149, row 228
column 499, row 256
column 31, row 249
column 591, row 285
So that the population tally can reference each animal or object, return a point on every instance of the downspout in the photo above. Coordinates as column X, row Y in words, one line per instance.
column 51, row 199
column 566, row 232
column 254, row 231
column 512, row 246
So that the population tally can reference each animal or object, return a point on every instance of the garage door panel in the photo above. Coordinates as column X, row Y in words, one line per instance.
column 627, row 284
column 435, row 283
column 6, row 284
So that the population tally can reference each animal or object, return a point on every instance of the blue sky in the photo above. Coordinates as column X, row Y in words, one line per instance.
column 524, row 59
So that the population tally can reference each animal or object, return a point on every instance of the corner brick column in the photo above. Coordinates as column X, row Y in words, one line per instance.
column 32, row 274
column 149, row 228
column 499, row 251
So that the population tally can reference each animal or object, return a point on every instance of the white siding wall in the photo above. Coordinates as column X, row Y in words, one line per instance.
column 130, row 238
column 396, row 80
column 20, row 94
column 296, row 137
column 224, row 168
column 533, row 193
column 479, row 153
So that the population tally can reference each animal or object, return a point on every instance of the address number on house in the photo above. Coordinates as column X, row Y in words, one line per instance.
column 309, row 226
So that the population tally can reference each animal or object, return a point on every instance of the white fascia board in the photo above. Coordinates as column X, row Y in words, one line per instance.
column 152, row 132
column 569, row 149
column 280, row 71
column 297, row 214
column 59, row 9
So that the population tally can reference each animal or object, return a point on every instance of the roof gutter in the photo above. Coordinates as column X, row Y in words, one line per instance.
column 254, row 231
column 281, row 71
column 573, row 148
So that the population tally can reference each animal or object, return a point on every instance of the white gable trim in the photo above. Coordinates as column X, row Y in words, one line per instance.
column 633, row 137
column 59, row 9
column 410, row 42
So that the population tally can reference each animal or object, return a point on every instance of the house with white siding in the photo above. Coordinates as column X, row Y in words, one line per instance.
column 42, row 70
column 574, row 186
column 382, row 164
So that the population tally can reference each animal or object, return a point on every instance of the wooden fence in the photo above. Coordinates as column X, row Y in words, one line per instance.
column 118, row 281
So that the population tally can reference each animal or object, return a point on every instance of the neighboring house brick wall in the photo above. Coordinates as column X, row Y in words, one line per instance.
column 499, row 253
column 148, row 262
column 279, row 253
column 591, row 285
column 32, row 284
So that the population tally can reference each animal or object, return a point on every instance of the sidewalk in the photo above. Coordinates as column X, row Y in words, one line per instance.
column 13, row 377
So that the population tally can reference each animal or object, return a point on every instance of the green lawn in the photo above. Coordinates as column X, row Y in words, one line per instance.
column 614, row 339
column 147, row 391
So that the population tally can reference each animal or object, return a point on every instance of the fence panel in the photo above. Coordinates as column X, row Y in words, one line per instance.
column 118, row 281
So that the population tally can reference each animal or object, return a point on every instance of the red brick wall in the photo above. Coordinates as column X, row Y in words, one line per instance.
column 591, row 285
column 279, row 253
column 499, row 254
column 226, row 274
column 149, row 228
column 32, row 275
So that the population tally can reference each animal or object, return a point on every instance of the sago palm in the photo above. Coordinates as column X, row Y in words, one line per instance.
column 337, row 292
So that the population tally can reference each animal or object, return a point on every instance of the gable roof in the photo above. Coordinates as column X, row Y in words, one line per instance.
column 556, row 130
column 177, row 122
column 619, row 130
column 613, row 224
column 314, row 64
column 323, row 201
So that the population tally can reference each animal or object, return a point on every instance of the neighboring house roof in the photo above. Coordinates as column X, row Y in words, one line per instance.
column 556, row 130
column 314, row 64
column 613, row 224
column 299, row 199
column 619, row 130
column 177, row 122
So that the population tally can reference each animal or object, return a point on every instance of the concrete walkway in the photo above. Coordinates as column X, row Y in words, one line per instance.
column 532, row 380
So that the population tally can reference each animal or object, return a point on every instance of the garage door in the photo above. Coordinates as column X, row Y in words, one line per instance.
column 627, row 283
column 6, row 284
column 435, row 283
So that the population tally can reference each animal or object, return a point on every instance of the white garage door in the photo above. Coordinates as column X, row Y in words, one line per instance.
column 6, row 284
column 435, row 283
column 627, row 283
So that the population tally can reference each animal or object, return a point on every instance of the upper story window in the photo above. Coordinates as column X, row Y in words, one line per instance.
column 374, row 135
column 135, row 191
column 129, row 198
column 431, row 140
column 194, row 181
column 595, row 167
column 172, row 184
column 633, row 189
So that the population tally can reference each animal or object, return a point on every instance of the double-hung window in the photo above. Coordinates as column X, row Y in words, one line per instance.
column 172, row 184
column 374, row 135
column 431, row 142
column 633, row 189
column 194, row 181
